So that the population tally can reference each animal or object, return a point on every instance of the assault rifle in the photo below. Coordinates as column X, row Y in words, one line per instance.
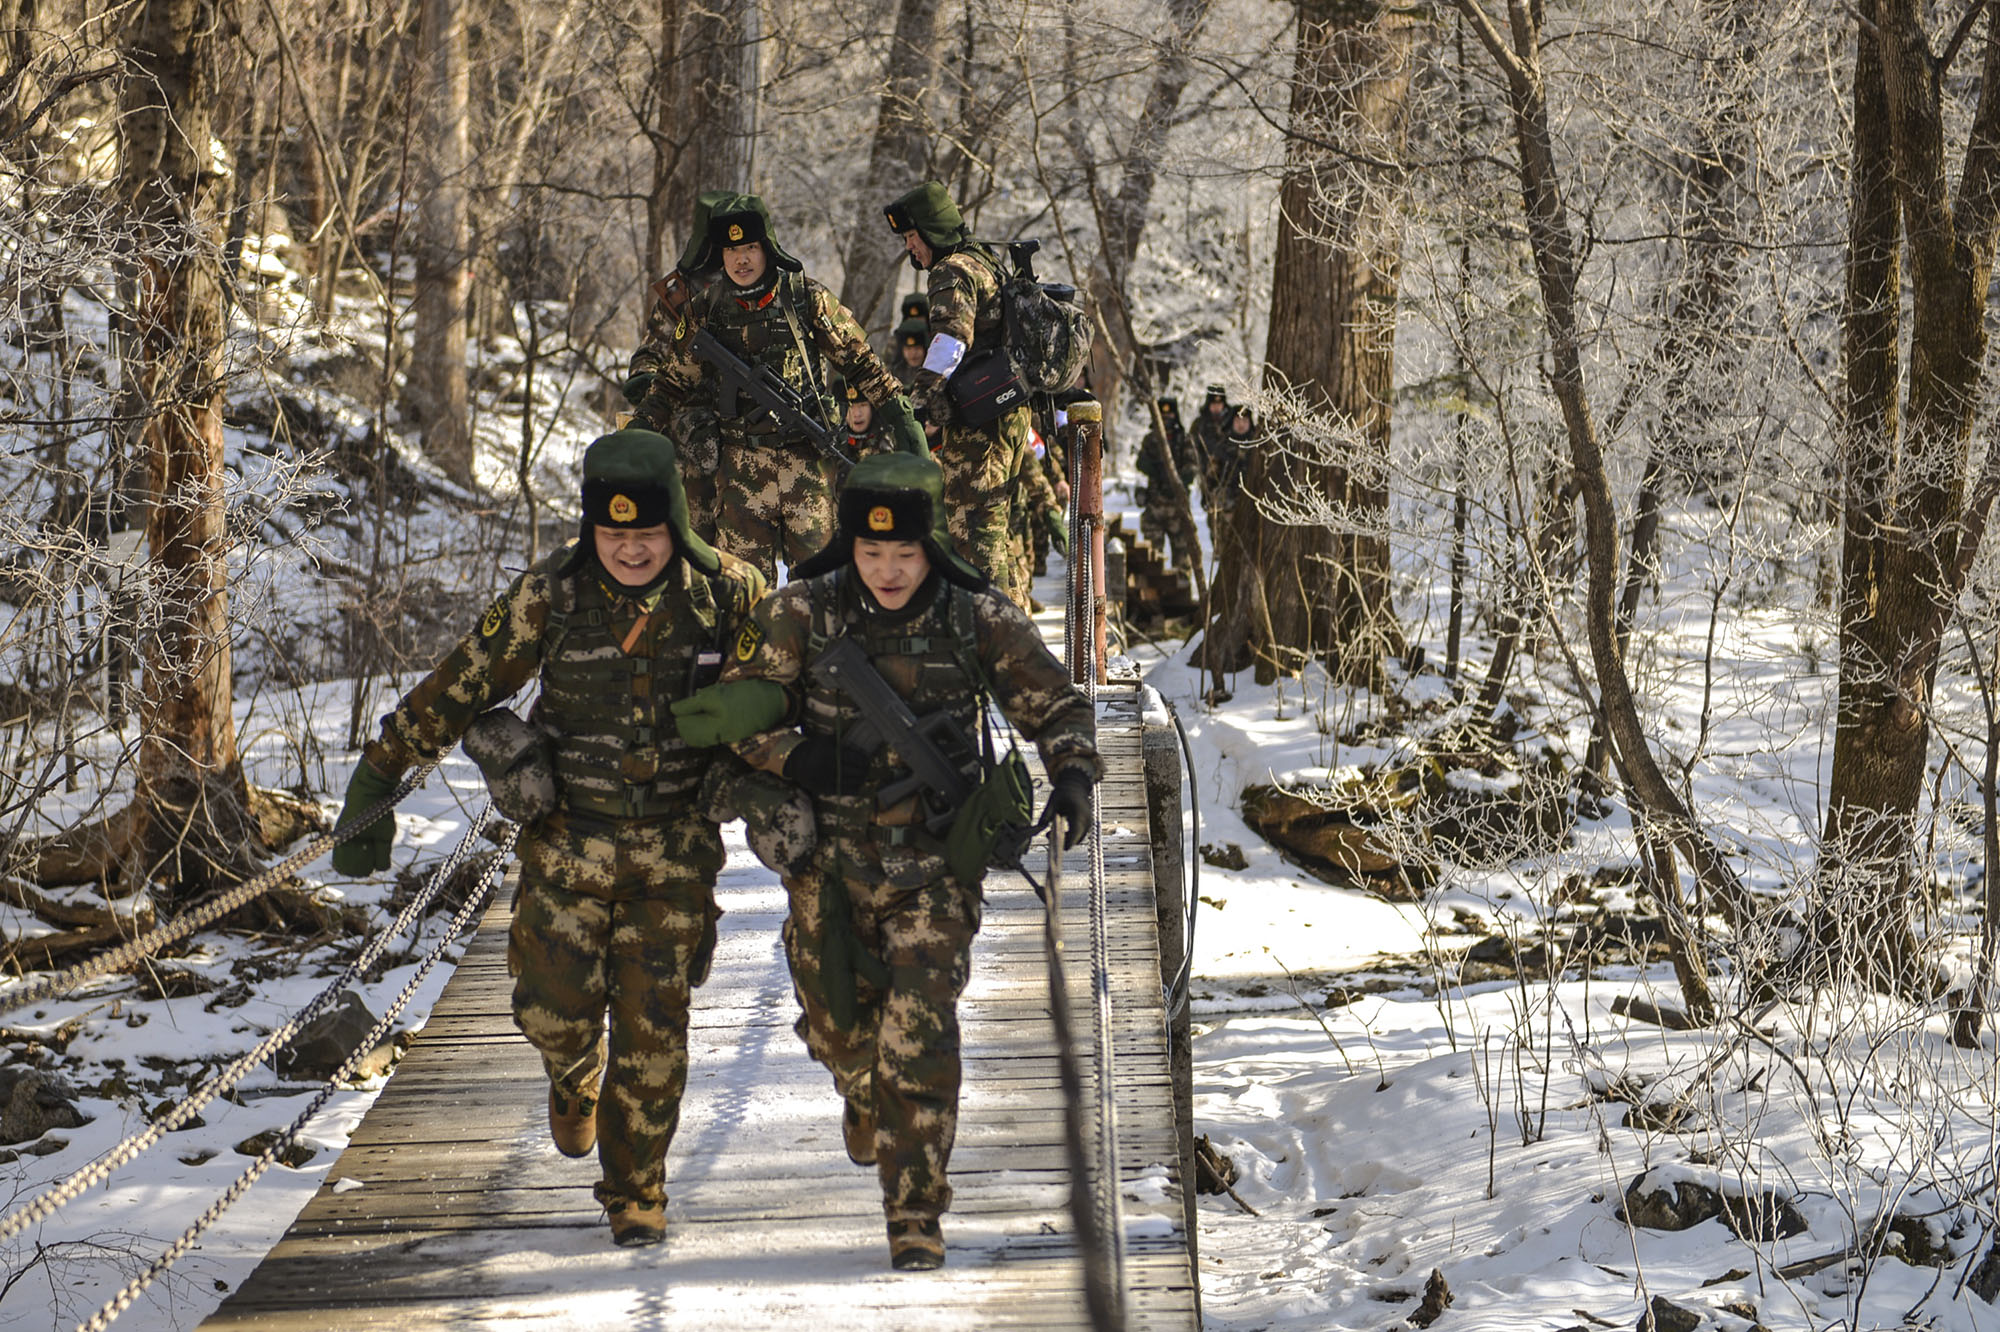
column 740, row 380
column 887, row 720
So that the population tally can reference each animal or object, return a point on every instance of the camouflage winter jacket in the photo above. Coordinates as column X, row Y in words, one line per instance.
column 610, row 665
column 922, row 654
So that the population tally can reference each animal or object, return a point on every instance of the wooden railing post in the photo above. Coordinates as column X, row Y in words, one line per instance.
column 1086, row 544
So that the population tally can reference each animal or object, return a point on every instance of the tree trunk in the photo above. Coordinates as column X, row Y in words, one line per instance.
column 191, row 795
column 1909, row 534
column 899, row 158
column 436, row 387
column 1325, row 575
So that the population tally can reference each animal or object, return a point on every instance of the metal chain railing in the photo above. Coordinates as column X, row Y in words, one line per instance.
column 468, row 911
column 45, row 1203
column 144, row 945
column 1095, row 1201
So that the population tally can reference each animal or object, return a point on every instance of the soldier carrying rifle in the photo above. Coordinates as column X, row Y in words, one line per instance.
column 746, row 381
column 888, row 648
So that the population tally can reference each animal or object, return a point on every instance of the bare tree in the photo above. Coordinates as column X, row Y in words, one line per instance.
column 898, row 157
column 436, row 388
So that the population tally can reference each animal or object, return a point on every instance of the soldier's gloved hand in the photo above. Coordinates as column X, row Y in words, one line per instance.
column 730, row 711
column 1059, row 533
column 368, row 850
column 823, row 766
column 901, row 420
column 1069, row 797
column 635, row 387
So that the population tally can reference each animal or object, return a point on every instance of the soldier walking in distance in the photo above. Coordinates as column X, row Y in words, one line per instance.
column 865, row 432
column 962, row 385
column 1162, row 519
column 913, row 339
column 774, row 489
column 1211, row 423
column 882, row 917
column 616, row 913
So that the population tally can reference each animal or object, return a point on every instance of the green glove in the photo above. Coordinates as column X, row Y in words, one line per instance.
column 901, row 419
column 368, row 851
column 734, row 710
column 635, row 387
column 1058, row 531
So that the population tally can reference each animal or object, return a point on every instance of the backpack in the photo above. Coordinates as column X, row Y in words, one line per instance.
column 1047, row 328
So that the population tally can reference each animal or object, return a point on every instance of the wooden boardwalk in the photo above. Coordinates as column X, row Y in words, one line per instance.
column 451, row 1208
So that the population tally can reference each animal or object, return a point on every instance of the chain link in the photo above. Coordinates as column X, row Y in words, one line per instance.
column 475, row 902
column 45, row 1204
column 132, row 950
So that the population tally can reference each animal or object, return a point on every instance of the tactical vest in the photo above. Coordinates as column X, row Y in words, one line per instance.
column 618, row 753
column 938, row 648
column 772, row 333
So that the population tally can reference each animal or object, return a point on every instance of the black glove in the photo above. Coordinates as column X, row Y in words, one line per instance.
column 368, row 851
column 1069, row 797
column 822, row 765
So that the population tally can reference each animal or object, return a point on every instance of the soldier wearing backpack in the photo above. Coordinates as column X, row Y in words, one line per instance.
column 616, row 912
column 882, row 918
column 966, row 384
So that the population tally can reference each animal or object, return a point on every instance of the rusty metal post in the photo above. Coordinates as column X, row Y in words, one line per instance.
column 1086, row 544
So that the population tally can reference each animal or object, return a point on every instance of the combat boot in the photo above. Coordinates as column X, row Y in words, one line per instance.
column 916, row 1246
column 572, row 1122
column 857, row 1127
column 635, row 1223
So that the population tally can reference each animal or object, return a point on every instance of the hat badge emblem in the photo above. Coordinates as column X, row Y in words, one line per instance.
column 736, row 231
column 622, row 509
column 880, row 519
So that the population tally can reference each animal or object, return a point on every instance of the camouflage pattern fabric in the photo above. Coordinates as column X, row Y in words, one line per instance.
column 902, row 1053
column 965, row 304
column 982, row 466
column 1160, row 521
column 771, row 499
column 504, row 652
column 612, row 913
column 609, row 922
column 1037, row 497
column 1209, row 436
column 660, row 398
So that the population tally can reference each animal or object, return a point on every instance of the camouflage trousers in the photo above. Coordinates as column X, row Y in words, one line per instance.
column 700, row 456
column 1160, row 522
column 772, row 497
column 982, row 468
column 610, row 918
column 902, row 1054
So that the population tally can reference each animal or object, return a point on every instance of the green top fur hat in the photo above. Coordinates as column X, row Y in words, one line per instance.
column 695, row 255
column 894, row 497
column 738, row 219
column 917, row 305
column 929, row 211
column 632, row 478
column 913, row 333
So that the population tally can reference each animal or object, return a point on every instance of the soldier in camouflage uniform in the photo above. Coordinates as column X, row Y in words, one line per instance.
column 866, row 433
column 982, row 464
column 774, row 490
column 1211, row 423
column 1162, row 518
column 1039, row 519
column 616, row 910
column 655, row 352
column 878, row 881
column 913, row 339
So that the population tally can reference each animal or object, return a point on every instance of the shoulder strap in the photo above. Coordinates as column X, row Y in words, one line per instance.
column 562, row 604
column 795, row 292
